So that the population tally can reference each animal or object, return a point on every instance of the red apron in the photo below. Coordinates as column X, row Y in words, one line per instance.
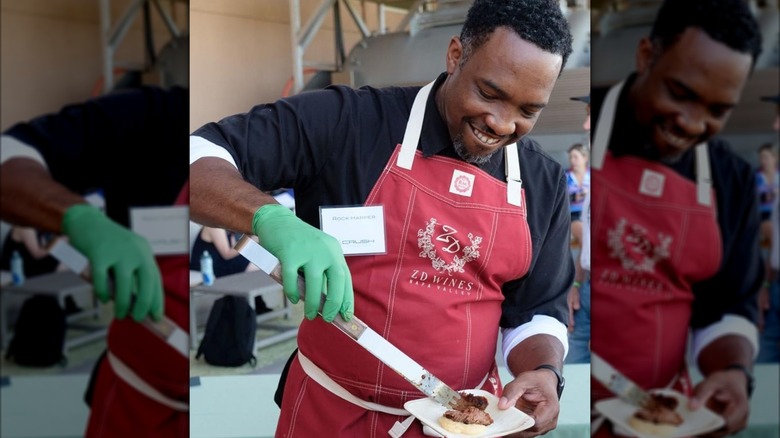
column 653, row 236
column 120, row 410
column 435, row 294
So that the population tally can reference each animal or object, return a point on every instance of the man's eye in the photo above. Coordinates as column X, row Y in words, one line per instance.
column 528, row 114
column 486, row 96
column 678, row 94
column 718, row 112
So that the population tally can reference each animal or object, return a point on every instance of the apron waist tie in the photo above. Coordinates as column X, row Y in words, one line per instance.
column 398, row 429
column 136, row 382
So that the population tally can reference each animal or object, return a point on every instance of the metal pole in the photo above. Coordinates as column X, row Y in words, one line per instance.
column 297, row 50
column 107, row 49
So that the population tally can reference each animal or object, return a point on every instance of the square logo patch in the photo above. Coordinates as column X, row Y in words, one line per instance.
column 462, row 183
column 652, row 183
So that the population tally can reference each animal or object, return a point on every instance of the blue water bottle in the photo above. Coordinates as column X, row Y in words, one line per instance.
column 17, row 268
column 207, row 268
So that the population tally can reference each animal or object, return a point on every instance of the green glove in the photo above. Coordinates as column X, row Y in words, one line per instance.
column 112, row 248
column 299, row 246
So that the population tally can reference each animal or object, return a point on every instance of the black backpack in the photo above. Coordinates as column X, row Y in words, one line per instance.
column 39, row 334
column 229, row 339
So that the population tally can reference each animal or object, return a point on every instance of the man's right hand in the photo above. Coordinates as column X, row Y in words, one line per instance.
column 301, row 247
column 112, row 248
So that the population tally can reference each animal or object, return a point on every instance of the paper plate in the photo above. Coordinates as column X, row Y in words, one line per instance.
column 504, row 422
column 695, row 422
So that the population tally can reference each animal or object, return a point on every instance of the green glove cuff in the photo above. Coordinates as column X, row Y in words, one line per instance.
column 74, row 216
column 269, row 211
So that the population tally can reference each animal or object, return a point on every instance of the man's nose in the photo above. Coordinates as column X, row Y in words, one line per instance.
column 692, row 121
column 501, row 125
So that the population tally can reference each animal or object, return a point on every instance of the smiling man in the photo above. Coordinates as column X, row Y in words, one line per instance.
column 674, row 224
column 475, row 216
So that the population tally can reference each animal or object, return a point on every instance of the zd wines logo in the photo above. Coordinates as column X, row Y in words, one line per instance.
column 429, row 239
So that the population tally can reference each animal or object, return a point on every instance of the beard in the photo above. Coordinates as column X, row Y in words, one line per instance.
column 465, row 155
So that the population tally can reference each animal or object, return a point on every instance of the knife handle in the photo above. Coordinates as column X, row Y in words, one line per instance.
column 352, row 328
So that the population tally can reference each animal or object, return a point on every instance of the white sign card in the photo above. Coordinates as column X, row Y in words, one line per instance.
column 166, row 228
column 359, row 230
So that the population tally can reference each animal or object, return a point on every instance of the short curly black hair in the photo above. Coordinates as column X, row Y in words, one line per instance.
column 730, row 22
column 540, row 22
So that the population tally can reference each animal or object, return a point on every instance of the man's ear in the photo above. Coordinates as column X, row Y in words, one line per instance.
column 644, row 55
column 454, row 54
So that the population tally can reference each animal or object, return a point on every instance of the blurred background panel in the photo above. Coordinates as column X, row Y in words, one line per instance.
column 57, row 52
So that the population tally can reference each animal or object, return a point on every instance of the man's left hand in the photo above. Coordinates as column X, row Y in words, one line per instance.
column 725, row 393
column 535, row 393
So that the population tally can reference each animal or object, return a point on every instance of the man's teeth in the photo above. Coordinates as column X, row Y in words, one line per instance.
column 484, row 138
column 675, row 140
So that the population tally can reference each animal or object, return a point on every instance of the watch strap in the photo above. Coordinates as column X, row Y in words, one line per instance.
column 751, row 381
column 558, row 375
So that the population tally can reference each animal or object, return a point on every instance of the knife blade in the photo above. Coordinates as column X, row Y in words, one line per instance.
column 620, row 385
column 165, row 329
column 361, row 333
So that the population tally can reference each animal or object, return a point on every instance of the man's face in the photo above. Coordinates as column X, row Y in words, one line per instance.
column 767, row 160
column 685, row 94
column 497, row 95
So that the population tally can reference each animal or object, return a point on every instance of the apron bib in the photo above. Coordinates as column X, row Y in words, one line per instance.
column 654, row 234
column 436, row 293
column 142, row 386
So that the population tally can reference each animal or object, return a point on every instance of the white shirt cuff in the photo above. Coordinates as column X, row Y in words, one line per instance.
column 540, row 324
column 10, row 147
column 200, row 147
column 728, row 325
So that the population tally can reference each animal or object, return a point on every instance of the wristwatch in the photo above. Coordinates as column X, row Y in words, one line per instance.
column 558, row 375
column 751, row 383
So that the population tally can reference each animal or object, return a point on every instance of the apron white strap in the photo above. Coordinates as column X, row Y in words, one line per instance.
column 597, row 420
column 703, row 179
column 398, row 429
column 136, row 382
column 326, row 382
column 514, row 183
column 413, row 128
column 604, row 126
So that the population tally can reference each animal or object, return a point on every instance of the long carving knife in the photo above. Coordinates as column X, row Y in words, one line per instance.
column 361, row 333
column 620, row 385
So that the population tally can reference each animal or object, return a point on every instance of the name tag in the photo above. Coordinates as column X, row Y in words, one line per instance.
column 359, row 230
column 166, row 228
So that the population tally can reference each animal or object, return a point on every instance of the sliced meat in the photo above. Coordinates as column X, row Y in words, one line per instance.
column 471, row 415
column 468, row 400
column 660, row 409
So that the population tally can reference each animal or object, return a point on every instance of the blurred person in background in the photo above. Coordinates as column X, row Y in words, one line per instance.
column 579, row 295
column 578, row 182
column 767, row 187
column 769, row 296
column 219, row 243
